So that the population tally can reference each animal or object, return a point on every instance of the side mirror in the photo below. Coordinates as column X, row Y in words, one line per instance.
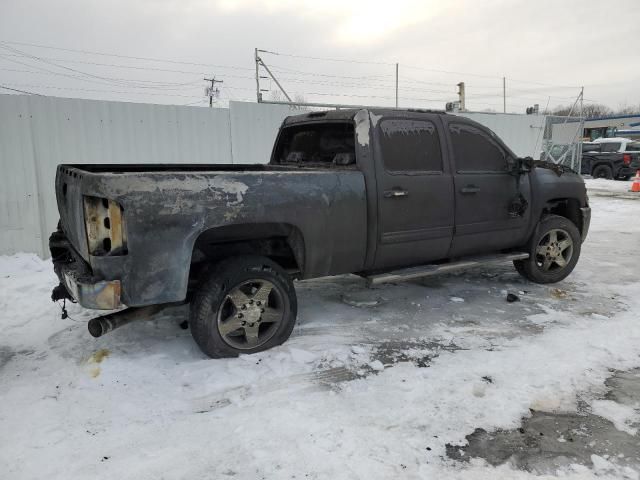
column 518, row 166
column 525, row 164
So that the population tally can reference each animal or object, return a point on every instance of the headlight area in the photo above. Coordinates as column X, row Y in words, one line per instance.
column 106, row 232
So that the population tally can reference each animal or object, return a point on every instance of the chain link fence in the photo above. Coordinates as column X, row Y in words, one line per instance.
column 562, row 141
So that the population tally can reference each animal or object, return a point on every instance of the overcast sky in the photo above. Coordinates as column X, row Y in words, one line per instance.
column 545, row 49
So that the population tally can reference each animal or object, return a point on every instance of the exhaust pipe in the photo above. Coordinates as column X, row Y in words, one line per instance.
column 104, row 324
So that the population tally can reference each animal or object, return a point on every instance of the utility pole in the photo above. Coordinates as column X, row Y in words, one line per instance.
column 396, row 85
column 212, row 90
column 259, row 61
column 258, row 94
column 461, row 95
column 504, row 94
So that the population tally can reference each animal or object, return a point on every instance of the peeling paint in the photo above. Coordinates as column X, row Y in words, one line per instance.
column 362, row 128
column 374, row 119
column 232, row 187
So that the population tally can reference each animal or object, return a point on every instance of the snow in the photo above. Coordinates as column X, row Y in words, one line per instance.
column 601, row 185
column 371, row 392
column 622, row 416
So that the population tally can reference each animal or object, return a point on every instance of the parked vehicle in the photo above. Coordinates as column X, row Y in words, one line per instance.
column 386, row 194
column 610, row 158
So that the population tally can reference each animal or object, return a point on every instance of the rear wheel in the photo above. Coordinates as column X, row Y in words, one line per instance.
column 553, row 249
column 244, row 305
column 602, row 171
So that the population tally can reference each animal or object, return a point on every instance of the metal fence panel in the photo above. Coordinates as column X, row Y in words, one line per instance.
column 38, row 133
column 254, row 128
column 522, row 133
column 19, row 206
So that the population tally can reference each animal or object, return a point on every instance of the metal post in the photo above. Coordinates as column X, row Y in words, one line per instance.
column 461, row 94
column 396, row 85
column 504, row 94
column 258, row 96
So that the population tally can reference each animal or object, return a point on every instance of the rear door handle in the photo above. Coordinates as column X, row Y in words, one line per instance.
column 396, row 192
column 470, row 189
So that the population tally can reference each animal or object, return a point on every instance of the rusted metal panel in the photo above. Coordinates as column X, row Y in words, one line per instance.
column 104, row 226
column 101, row 295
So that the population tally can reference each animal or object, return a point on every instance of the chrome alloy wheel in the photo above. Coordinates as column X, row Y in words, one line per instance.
column 554, row 250
column 250, row 314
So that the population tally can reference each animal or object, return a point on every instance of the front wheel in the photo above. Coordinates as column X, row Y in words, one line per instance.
column 244, row 305
column 554, row 249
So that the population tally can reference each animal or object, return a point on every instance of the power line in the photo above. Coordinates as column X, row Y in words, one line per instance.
column 98, row 90
column 326, row 58
column 130, row 57
column 19, row 91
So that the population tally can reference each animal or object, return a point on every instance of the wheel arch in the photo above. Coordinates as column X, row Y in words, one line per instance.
column 281, row 242
column 568, row 208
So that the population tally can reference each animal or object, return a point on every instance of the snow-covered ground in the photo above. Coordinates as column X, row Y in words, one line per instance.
column 600, row 186
column 357, row 392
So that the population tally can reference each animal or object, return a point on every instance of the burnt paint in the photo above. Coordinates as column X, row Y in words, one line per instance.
column 165, row 212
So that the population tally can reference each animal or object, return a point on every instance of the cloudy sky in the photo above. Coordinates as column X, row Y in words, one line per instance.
column 546, row 50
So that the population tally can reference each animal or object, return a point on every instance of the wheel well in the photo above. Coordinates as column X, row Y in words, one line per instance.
column 601, row 164
column 566, row 207
column 282, row 243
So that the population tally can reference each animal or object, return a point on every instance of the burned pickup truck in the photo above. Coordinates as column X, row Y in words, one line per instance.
column 386, row 194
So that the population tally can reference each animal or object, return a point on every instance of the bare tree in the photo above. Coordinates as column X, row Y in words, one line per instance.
column 624, row 109
column 590, row 110
column 593, row 110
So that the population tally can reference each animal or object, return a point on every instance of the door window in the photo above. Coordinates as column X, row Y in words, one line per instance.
column 410, row 146
column 475, row 151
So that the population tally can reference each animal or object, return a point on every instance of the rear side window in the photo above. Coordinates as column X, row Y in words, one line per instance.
column 475, row 151
column 590, row 148
column 317, row 145
column 410, row 146
column 633, row 147
column 609, row 147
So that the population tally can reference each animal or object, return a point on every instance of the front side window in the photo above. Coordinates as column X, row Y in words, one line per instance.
column 476, row 151
column 410, row 146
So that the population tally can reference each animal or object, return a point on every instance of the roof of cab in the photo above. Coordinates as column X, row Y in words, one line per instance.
column 348, row 114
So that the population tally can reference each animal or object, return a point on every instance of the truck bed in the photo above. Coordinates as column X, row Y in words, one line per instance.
column 177, row 167
column 165, row 210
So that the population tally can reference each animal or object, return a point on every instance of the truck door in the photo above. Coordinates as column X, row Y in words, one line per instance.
column 415, row 191
column 487, row 194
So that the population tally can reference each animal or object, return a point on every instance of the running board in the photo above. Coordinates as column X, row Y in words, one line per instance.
column 435, row 269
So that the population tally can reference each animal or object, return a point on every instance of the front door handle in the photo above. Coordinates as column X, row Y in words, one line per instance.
column 395, row 193
column 470, row 189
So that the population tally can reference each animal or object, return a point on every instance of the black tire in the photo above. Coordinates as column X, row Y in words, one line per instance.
column 228, row 297
column 602, row 171
column 540, row 267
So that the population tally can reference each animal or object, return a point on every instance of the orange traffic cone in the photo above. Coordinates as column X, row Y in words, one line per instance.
column 635, row 186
